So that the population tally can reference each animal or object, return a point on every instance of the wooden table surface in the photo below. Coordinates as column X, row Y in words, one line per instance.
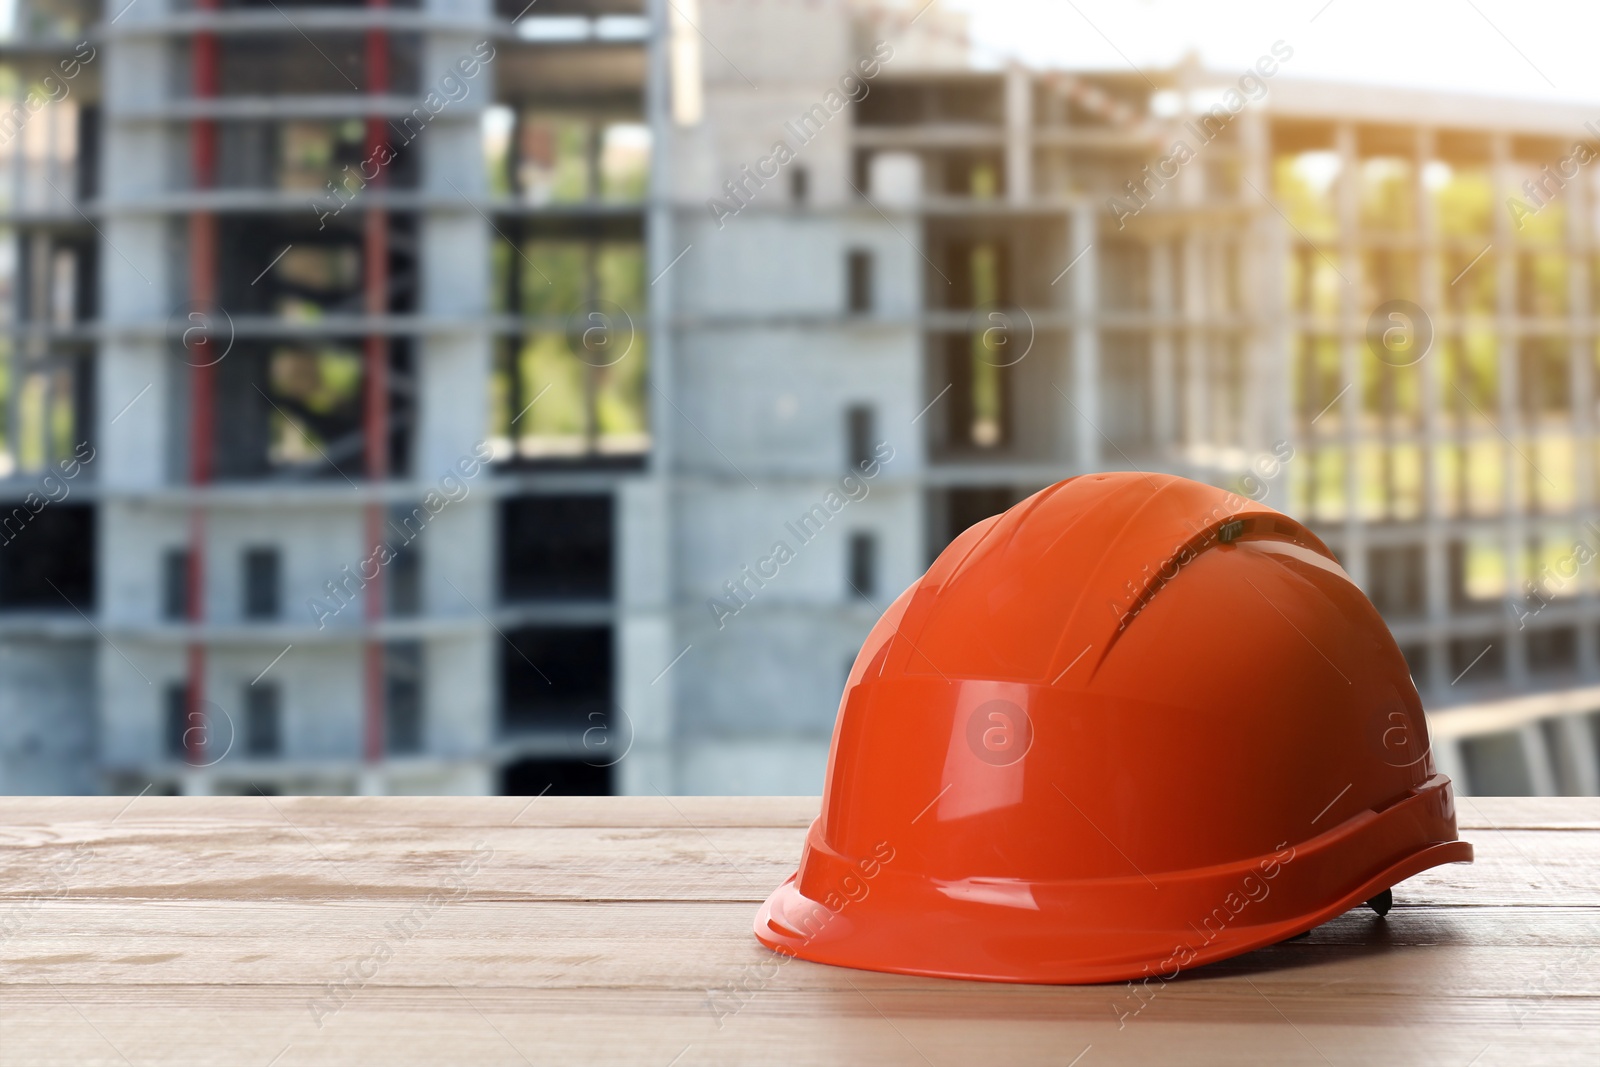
column 485, row 931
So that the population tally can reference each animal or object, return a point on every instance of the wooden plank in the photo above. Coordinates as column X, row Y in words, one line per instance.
column 449, row 812
column 1527, row 813
column 237, row 930
column 25, row 820
column 281, row 862
column 699, row 948
column 269, row 857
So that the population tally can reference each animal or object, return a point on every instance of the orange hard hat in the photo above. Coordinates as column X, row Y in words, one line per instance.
column 1132, row 725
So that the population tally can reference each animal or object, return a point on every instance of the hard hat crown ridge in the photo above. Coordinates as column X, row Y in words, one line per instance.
column 1096, row 720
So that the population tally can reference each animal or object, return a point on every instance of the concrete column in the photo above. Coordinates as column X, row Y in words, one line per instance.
column 660, row 250
column 1539, row 759
column 1083, row 409
column 1163, row 399
column 1513, row 528
column 1436, row 547
column 1268, row 403
column 1277, row 338
column 1019, row 134
column 1580, row 203
column 1447, row 758
column 1577, row 769
column 1352, row 326
column 196, row 783
column 1196, row 345
column 648, row 667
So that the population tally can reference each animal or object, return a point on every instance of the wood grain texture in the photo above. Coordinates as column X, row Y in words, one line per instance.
column 487, row 931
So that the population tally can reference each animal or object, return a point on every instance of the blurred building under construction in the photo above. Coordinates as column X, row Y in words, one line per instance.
column 407, row 395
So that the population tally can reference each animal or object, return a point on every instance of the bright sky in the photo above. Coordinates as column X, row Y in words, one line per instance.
column 1541, row 50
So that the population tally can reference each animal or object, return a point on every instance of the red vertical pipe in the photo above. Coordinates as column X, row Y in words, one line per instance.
column 202, row 379
column 376, row 400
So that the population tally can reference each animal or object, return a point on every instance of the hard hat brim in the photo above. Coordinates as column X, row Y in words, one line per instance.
column 1105, row 930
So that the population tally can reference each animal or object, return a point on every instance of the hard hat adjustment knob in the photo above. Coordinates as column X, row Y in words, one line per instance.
column 1382, row 902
